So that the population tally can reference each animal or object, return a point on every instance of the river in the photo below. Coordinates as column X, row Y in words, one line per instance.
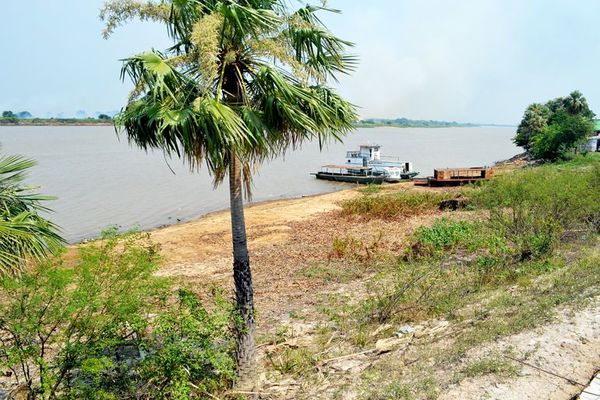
column 100, row 180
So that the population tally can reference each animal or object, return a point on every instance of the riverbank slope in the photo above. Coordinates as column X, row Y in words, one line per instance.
column 319, row 267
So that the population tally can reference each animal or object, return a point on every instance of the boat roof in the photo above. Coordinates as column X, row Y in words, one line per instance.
column 347, row 166
column 464, row 169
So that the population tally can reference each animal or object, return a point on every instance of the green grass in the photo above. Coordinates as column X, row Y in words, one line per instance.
column 580, row 160
column 292, row 361
column 445, row 234
column 490, row 366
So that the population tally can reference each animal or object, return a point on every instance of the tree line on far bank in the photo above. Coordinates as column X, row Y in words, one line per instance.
column 12, row 117
column 556, row 129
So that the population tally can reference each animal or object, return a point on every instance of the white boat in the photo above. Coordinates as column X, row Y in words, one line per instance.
column 393, row 168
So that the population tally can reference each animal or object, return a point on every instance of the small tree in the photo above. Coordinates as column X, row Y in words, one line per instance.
column 104, row 117
column 98, row 330
column 8, row 116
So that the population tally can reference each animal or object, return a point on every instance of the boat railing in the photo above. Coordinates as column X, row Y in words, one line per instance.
column 391, row 158
column 348, row 170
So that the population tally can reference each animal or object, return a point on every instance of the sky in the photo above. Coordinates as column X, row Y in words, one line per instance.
column 458, row 60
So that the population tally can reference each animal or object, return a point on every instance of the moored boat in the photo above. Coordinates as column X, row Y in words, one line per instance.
column 456, row 176
column 393, row 168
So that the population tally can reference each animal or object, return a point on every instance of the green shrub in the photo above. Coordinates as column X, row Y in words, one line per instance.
column 419, row 291
column 442, row 236
column 101, row 329
column 534, row 208
column 393, row 205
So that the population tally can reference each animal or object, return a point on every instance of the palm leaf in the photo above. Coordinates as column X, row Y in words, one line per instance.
column 24, row 234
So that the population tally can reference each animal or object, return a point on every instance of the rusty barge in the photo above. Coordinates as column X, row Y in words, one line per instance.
column 456, row 176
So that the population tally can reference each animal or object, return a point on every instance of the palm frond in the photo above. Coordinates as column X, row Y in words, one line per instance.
column 24, row 234
column 244, row 94
column 316, row 47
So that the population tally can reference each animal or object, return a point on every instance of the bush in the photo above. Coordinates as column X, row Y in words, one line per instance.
column 99, row 330
column 534, row 208
column 443, row 235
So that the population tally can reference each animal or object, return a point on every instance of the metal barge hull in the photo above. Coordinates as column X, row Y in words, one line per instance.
column 456, row 176
column 403, row 177
column 339, row 177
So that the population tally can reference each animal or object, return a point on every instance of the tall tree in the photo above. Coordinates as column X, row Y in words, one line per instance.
column 245, row 80
column 24, row 234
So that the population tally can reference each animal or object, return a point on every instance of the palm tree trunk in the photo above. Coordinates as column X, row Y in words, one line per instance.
column 246, row 349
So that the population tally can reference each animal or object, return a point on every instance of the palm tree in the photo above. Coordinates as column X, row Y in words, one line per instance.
column 24, row 234
column 575, row 102
column 245, row 80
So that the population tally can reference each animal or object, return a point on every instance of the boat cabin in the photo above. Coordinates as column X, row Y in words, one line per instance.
column 365, row 153
column 370, row 155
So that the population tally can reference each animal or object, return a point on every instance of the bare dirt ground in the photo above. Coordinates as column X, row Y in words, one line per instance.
column 563, row 357
column 287, row 238
column 284, row 237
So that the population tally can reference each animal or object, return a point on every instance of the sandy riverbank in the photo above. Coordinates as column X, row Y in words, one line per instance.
column 201, row 246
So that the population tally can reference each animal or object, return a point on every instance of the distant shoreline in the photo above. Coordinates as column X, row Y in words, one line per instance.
column 421, row 123
column 434, row 126
column 401, row 123
column 57, row 122
column 366, row 126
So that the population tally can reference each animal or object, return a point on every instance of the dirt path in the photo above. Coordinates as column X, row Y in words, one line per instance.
column 570, row 347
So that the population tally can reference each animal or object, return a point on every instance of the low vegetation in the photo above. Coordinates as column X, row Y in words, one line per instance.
column 394, row 205
column 537, row 208
column 106, row 328
column 470, row 277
